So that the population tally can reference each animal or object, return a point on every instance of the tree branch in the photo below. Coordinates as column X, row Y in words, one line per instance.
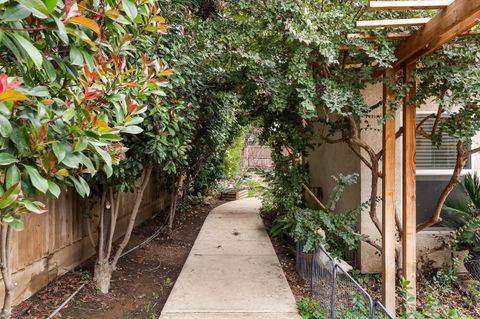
column 462, row 155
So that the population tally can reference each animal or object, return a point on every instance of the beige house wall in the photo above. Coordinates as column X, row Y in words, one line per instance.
column 328, row 160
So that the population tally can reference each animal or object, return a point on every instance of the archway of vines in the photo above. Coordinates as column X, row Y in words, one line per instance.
column 102, row 96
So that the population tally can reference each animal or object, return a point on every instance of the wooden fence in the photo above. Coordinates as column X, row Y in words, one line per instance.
column 256, row 156
column 56, row 242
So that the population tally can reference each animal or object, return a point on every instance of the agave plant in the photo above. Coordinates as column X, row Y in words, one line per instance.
column 463, row 216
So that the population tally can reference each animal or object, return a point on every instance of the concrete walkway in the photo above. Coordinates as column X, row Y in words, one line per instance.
column 232, row 271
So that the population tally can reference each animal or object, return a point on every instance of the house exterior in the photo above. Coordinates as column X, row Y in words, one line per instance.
column 434, row 169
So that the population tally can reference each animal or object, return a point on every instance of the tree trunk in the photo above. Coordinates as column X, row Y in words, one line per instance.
column 105, row 265
column 6, row 239
column 173, row 204
column 102, row 276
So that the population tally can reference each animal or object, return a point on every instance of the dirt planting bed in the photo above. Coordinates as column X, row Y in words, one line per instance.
column 141, row 284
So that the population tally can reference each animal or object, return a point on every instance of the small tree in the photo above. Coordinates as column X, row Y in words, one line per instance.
column 162, row 120
column 64, row 122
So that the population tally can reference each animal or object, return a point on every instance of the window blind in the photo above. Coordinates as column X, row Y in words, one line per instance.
column 431, row 157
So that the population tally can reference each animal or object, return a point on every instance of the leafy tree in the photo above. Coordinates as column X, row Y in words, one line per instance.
column 66, row 121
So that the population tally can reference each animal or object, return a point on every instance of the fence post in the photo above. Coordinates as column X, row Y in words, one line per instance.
column 334, row 291
column 311, row 270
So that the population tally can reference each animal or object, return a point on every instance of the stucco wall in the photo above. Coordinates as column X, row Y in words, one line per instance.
column 328, row 160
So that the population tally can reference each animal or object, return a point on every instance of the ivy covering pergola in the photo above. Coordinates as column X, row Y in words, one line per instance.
column 454, row 18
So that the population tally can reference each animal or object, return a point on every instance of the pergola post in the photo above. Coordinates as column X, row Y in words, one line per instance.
column 409, row 243
column 388, row 192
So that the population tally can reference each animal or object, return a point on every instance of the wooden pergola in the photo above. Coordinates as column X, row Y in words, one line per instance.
column 454, row 18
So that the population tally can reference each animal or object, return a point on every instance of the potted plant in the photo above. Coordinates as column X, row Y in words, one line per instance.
column 463, row 216
column 235, row 192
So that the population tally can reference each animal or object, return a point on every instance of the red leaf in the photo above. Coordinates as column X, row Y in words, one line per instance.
column 42, row 133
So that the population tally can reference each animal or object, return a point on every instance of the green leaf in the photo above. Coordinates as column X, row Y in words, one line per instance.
column 88, row 164
column 7, row 159
column 17, row 224
column 85, row 185
column 133, row 129
column 51, row 4
column 71, row 160
column 60, row 150
column 8, row 219
column 81, row 186
column 54, row 189
column 39, row 91
column 106, row 158
column 10, row 196
column 89, row 61
column 34, row 207
column 76, row 56
column 13, row 176
column 62, row 31
column 21, row 138
column 68, row 114
column 37, row 7
column 5, row 126
column 7, row 42
column 30, row 49
column 37, row 180
column 15, row 13
column 130, row 9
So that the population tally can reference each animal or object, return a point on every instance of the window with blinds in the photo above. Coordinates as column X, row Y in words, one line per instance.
column 431, row 157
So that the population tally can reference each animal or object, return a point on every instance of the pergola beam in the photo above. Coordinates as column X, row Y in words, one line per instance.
column 396, row 35
column 458, row 18
column 392, row 23
column 409, row 194
column 409, row 5
column 390, row 36
column 389, row 198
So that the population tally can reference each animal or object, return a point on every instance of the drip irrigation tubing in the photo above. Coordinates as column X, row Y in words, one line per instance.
column 142, row 244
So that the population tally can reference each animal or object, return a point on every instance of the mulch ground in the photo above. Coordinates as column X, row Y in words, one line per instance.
column 141, row 284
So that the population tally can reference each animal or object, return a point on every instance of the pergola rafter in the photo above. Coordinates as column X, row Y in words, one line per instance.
column 409, row 5
column 454, row 18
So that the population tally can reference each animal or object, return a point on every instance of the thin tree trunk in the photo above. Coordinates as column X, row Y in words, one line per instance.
column 173, row 205
column 101, row 275
column 462, row 155
column 6, row 241
column 133, row 217
column 105, row 266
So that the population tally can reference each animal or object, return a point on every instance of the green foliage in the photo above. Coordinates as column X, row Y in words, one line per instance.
column 472, row 296
column 285, row 192
column 464, row 217
column 309, row 308
column 430, row 309
column 66, row 96
column 255, row 188
column 339, row 227
column 216, row 128
column 447, row 276
column 233, row 156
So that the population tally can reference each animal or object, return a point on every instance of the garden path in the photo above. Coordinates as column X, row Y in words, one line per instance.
column 232, row 271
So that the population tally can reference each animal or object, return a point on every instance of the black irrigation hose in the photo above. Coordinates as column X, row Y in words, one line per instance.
column 145, row 242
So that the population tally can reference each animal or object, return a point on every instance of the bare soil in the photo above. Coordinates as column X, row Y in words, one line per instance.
column 141, row 284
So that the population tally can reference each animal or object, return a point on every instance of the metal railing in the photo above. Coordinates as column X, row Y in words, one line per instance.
column 335, row 289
